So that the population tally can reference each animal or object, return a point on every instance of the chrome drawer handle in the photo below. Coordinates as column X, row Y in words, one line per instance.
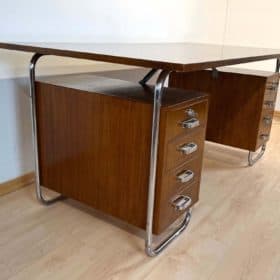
column 191, row 113
column 264, row 137
column 185, row 176
column 182, row 202
column 191, row 123
column 189, row 148
column 269, row 104
column 267, row 120
column 274, row 88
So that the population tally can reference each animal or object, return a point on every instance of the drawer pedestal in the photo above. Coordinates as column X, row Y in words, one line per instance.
column 94, row 138
column 241, row 105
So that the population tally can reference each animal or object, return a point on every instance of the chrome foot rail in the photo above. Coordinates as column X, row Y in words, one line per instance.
column 150, row 249
column 152, row 252
column 39, row 193
column 252, row 160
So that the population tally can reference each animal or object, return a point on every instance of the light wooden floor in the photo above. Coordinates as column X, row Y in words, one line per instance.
column 234, row 232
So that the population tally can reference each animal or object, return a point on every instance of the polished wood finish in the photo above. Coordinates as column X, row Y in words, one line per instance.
column 94, row 144
column 174, row 159
column 175, row 118
column 170, row 56
column 237, row 109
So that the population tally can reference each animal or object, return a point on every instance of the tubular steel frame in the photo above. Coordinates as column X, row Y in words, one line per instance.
column 38, row 187
column 150, row 248
column 252, row 159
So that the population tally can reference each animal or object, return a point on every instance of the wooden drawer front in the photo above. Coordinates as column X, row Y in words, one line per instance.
column 168, row 213
column 269, row 104
column 270, row 95
column 184, row 148
column 175, row 119
column 263, row 137
column 273, row 79
column 271, row 91
column 265, row 127
column 182, row 176
column 266, row 118
column 264, row 132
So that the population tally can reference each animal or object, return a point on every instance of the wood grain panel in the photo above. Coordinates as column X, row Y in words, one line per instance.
column 83, row 156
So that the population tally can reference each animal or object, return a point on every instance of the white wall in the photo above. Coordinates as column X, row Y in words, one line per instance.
column 254, row 23
column 243, row 23
column 67, row 20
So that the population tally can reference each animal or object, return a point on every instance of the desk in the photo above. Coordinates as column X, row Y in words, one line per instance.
column 179, row 57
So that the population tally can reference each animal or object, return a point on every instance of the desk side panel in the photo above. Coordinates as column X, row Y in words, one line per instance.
column 95, row 149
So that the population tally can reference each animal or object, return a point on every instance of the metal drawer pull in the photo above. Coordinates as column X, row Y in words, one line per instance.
column 269, row 104
column 189, row 148
column 191, row 123
column 185, row 176
column 272, row 88
column 264, row 137
column 267, row 120
column 191, row 113
column 182, row 202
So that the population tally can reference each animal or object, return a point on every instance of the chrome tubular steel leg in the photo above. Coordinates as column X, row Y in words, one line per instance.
column 277, row 65
column 149, row 75
column 252, row 160
column 39, row 194
column 150, row 249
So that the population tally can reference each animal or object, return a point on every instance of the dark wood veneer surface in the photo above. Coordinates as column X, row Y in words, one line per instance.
column 170, row 56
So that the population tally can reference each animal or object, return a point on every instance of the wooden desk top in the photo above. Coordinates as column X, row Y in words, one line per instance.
column 169, row 56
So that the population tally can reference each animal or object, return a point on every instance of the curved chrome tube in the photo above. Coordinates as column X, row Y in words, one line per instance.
column 150, row 250
column 277, row 68
column 39, row 194
column 149, row 247
column 148, row 76
column 252, row 160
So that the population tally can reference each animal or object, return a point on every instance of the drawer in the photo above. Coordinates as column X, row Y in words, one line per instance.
column 178, row 205
column 270, row 95
column 184, row 148
column 185, row 120
column 268, row 104
column 266, row 118
column 183, row 176
column 264, row 128
column 264, row 133
column 173, row 207
column 262, row 139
